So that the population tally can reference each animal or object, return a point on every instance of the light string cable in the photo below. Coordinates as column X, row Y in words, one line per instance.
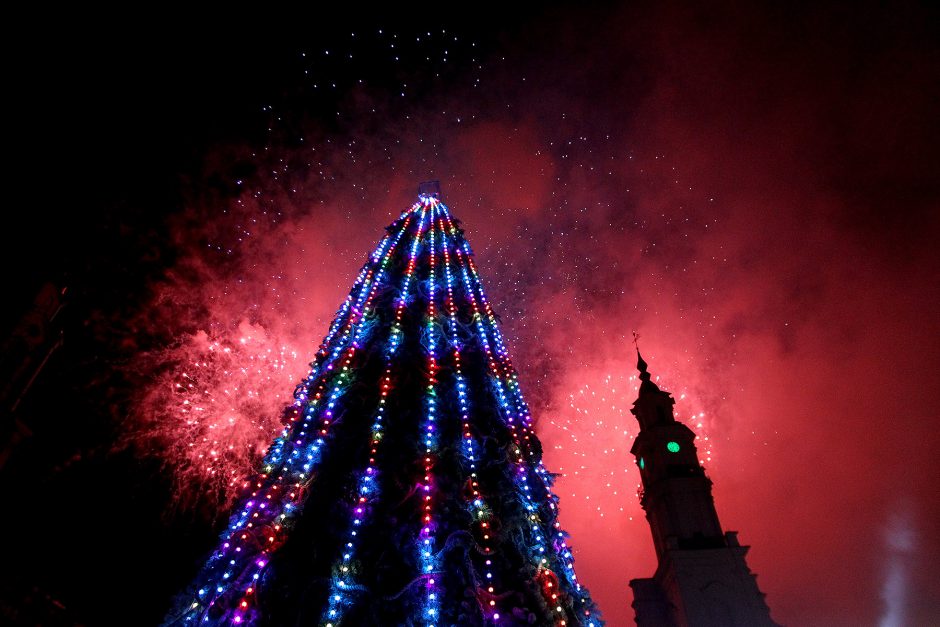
column 343, row 582
column 383, row 250
column 534, row 533
column 226, row 591
column 507, row 382
column 476, row 502
column 427, row 558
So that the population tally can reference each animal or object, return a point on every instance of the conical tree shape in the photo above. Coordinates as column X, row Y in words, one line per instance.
column 407, row 486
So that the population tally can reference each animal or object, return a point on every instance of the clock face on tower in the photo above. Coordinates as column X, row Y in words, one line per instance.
column 672, row 447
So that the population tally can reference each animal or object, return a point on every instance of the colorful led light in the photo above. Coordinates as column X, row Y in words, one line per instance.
column 426, row 539
column 344, row 583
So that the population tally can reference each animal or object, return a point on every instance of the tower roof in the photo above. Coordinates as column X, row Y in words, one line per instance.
column 647, row 383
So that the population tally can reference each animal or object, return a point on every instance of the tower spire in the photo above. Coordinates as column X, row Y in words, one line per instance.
column 645, row 376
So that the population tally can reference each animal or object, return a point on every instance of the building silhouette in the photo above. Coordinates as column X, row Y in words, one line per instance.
column 702, row 578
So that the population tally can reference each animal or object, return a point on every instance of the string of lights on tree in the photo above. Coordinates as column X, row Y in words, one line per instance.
column 407, row 485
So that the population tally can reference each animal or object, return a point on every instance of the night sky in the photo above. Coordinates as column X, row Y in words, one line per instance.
column 753, row 189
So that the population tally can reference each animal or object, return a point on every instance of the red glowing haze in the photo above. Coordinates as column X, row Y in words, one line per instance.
column 752, row 194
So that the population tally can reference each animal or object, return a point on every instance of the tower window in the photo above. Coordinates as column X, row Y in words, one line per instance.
column 642, row 463
column 672, row 447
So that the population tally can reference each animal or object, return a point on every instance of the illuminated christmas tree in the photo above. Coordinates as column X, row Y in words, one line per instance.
column 407, row 486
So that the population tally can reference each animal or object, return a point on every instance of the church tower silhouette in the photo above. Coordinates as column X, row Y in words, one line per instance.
column 702, row 579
